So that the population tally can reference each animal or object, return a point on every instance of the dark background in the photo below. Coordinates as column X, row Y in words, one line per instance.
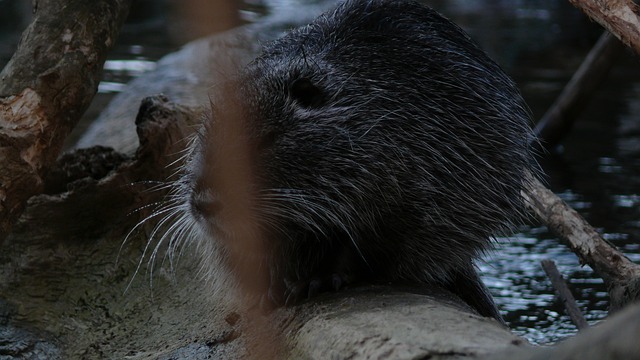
column 539, row 43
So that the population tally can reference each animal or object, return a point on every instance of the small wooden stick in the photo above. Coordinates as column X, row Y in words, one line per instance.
column 620, row 274
column 560, row 285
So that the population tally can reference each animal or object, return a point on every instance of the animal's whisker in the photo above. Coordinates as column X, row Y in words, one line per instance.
column 382, row 143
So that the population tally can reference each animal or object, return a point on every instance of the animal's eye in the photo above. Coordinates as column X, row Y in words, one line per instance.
column 306, row 93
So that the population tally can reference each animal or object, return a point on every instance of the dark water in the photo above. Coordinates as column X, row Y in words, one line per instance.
column 540, row 43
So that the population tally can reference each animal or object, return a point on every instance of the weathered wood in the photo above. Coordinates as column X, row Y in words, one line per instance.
column 386, row 323
column 45, row 88
column 564, row 293
column 81, row 289
column 401, row 326
column 620, row 274
column 613, row 339
column 66, row 272
column 620, row 17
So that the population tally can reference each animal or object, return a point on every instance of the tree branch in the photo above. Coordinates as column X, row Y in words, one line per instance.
column 559, row 118
column 564, row 293
column 620, row 17
column 45, row 88
column 620, row 274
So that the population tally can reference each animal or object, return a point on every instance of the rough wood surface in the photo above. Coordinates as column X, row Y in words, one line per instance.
column 620, row 17
column 385, row 323
column 564, row 293
column 45, row 88
column 614, row 339
column 74, row 288
column 71, row 289
column 620, row 274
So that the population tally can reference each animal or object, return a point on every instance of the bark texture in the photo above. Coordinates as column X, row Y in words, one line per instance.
column 620, row 17
column 71, row 288
column 45, row 88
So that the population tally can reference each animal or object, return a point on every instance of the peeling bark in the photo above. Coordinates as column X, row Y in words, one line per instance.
column 68, row 282
column 620, row 17
column 621, row 275
column 45, row 88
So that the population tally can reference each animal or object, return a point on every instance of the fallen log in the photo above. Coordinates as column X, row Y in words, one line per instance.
column 80, row 291
column 63, row 279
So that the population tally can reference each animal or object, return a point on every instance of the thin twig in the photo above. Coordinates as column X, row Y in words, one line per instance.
column 558, row 120
column 560, row 285
column 621, row 275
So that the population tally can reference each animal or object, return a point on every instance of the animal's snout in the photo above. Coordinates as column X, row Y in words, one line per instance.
column 204, row 204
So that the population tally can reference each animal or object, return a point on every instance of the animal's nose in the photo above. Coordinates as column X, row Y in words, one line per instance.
column 204, row 204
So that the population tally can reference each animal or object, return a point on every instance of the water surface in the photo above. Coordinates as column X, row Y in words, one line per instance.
column 538, row 42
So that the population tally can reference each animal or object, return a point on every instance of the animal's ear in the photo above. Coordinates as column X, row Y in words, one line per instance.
column 306, row 93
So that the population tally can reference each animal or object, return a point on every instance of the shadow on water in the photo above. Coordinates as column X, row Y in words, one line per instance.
column 540, row 43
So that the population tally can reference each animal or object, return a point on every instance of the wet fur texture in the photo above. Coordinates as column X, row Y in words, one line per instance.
column 384, row 145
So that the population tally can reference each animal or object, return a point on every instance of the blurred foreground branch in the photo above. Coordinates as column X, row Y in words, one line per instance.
column 564, row 293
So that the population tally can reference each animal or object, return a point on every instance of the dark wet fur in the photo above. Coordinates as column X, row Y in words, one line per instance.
column 388, row 148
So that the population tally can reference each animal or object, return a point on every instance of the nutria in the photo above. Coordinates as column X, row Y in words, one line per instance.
column 376, row 144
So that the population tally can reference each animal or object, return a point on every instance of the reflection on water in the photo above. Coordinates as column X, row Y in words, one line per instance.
column 524, row 294
column 130, row 68
column 117, row 72
column 540, row 43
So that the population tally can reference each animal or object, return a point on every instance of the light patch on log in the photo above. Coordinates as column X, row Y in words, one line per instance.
column 20, row 113
column 22, row 117
column 626, row 13
column 67, row 36
column 376, row 323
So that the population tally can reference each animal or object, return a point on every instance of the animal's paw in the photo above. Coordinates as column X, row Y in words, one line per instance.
column 300, row 290
column 293, row 292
